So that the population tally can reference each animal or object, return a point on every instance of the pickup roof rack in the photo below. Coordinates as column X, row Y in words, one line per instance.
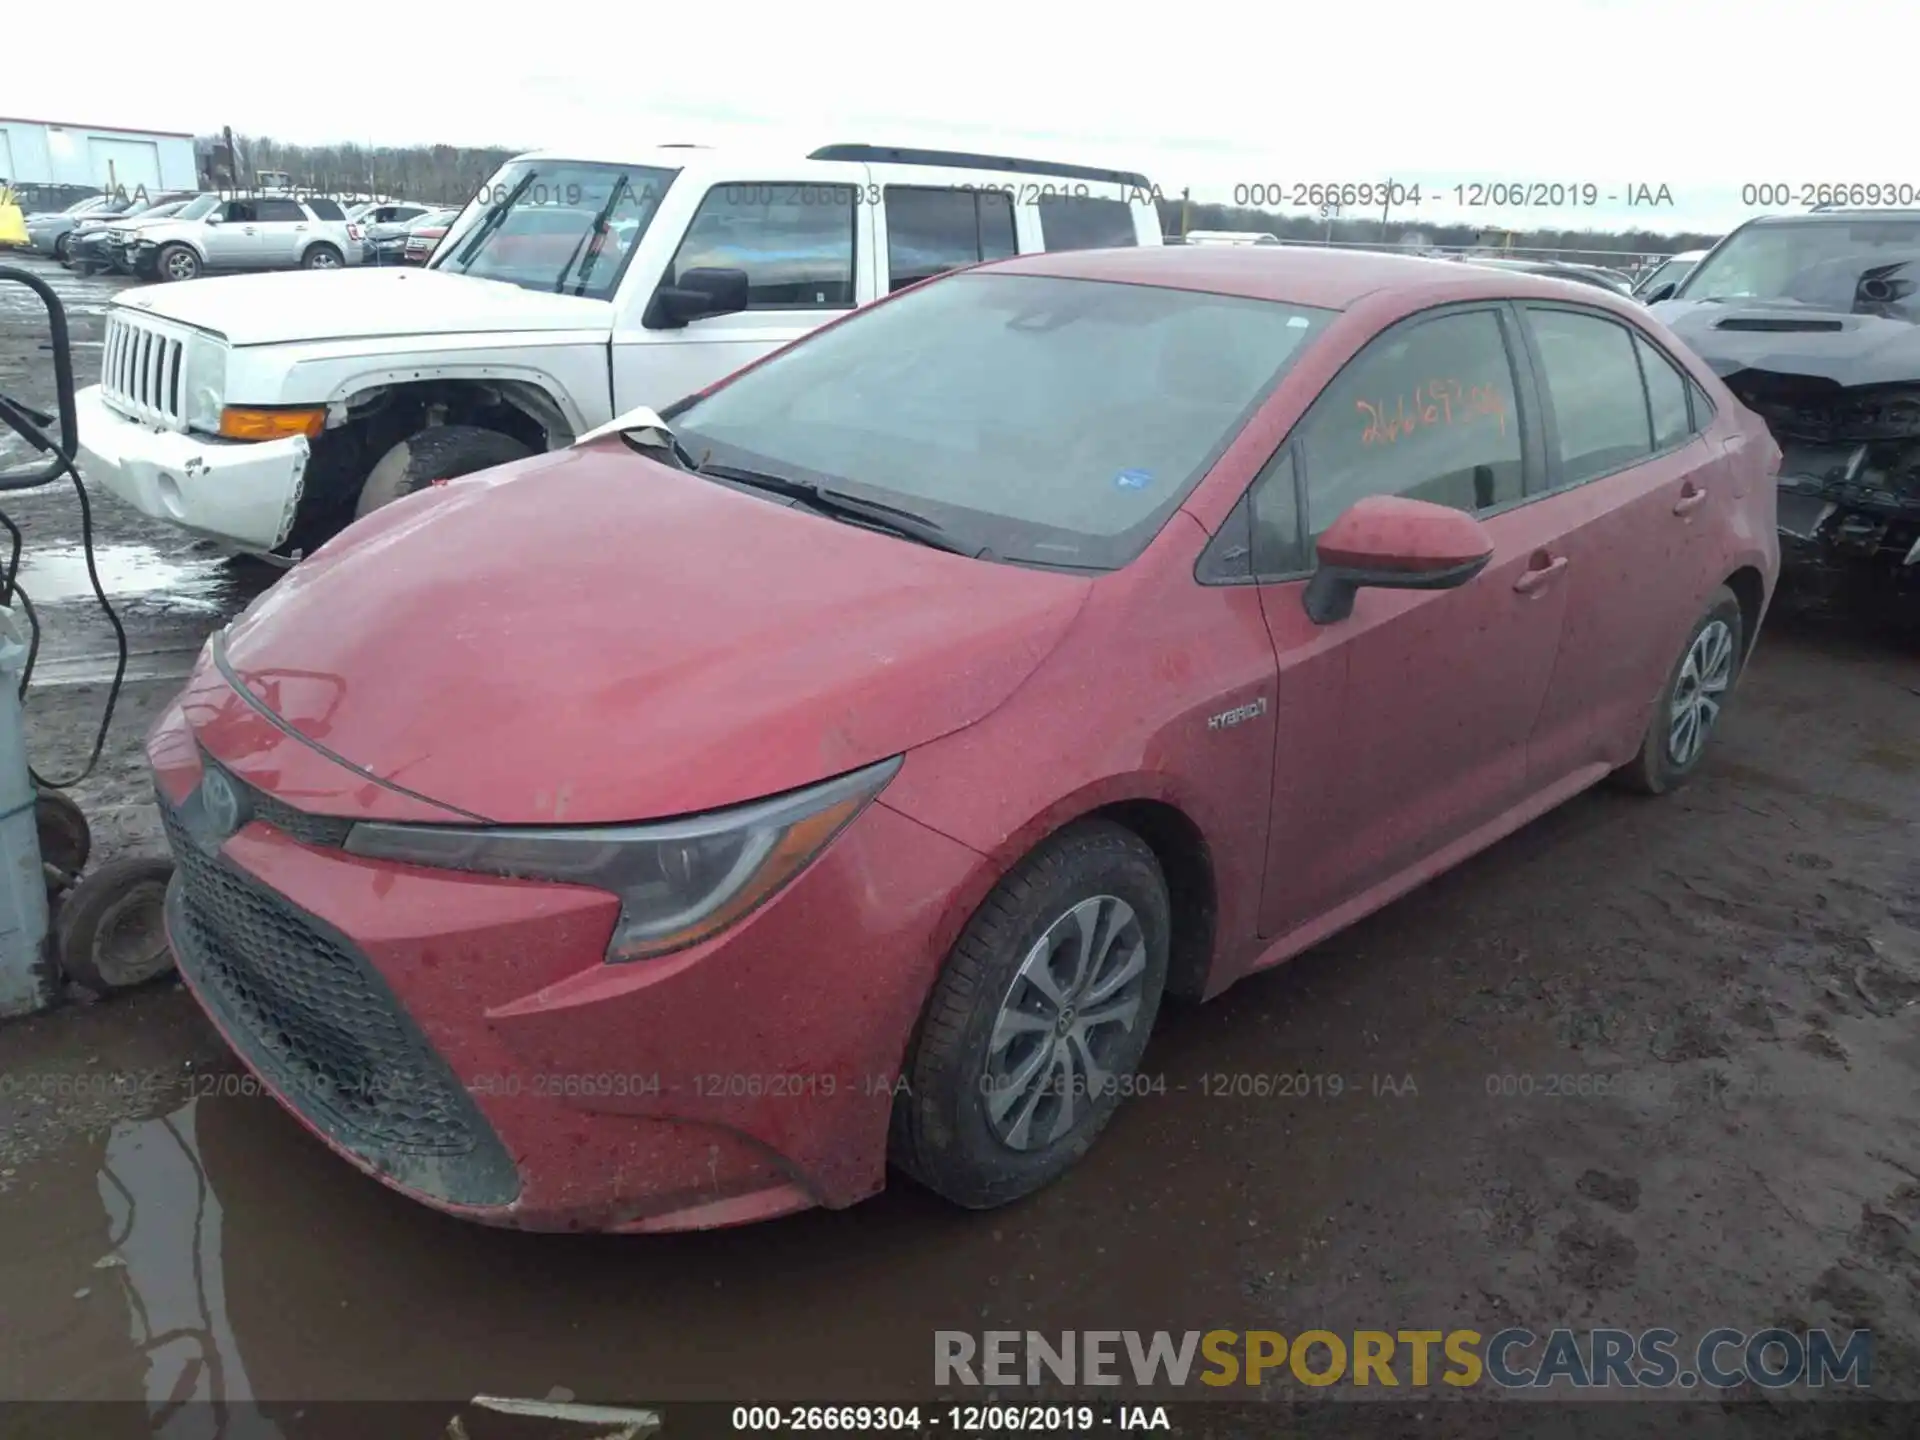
column 961, row 160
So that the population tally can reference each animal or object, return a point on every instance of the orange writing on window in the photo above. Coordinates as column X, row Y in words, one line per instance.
column 1438, row 402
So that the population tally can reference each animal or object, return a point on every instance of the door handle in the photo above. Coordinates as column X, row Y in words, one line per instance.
column 1692, row 497
column 1538, row 573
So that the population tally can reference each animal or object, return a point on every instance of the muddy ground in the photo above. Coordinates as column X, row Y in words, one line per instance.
column 1740, row 960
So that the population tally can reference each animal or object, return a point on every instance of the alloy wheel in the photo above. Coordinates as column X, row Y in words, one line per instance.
column 1077, row 991
column 1699, row 692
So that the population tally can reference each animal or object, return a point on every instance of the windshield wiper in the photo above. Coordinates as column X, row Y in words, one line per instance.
column 598, row 230
column 492, row 221
column 907, row 524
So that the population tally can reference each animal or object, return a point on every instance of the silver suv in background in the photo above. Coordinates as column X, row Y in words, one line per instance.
column 254, row 232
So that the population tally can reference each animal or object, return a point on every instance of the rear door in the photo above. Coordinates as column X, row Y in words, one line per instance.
column 1638, row 494
column 806, row 243
column 1403, row 728
column 280, row 232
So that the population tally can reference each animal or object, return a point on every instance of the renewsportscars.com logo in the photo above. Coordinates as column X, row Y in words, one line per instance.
column 1512, row 1359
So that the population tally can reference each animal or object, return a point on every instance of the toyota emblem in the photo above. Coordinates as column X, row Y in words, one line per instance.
column 221, row 804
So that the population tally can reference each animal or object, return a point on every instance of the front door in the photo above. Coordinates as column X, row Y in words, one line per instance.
column 1403, row 728
column 806, row 246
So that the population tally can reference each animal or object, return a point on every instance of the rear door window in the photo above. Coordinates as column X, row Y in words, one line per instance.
column 1596, row 398
column 1666, row 396
column 1428, row 410
column 273, row 211
column 794, row 241
column 1085, row 222
column 326, row 210
column 930, row 230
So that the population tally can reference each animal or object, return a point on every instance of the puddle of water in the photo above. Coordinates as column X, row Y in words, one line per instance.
column 56, row 573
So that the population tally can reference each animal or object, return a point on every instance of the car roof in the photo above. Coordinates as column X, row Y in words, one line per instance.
column 1836, row 215
column 1292, row 274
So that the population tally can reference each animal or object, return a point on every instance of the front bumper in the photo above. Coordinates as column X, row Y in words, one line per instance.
column 461, row 1038
column 242, row 493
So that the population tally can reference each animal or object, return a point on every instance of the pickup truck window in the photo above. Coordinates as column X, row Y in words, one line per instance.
column 930, row 230
column 568, row 227
column 794, row 241
column 1085, row 222
column 1050, row 421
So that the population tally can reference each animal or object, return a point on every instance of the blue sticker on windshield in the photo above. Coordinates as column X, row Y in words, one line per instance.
column 1133, row 479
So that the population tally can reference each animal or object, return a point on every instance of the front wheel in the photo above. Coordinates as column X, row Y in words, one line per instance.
column 177, row 262
column 321, row 257
column 1691, row 701
column 1036, row 1026
column 440, row 452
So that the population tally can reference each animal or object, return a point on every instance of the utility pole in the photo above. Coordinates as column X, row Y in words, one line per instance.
column 1186, row 192
column 1386, row 205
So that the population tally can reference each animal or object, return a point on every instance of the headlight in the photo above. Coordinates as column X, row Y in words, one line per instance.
column 206, row 384
column 679, row 881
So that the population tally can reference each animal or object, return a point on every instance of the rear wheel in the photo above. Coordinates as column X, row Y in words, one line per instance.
column 1038, row 1021
column 441, row 452
column 62, row 248
column 1689, row 706
column 321, row 257
column 177, row 262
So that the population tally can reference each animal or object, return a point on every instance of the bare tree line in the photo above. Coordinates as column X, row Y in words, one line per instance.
column 451, row 174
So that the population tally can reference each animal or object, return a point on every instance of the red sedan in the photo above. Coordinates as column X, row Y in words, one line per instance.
column 674, row 830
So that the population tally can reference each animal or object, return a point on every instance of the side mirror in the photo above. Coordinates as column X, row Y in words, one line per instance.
column 700, row 294
column 1659, row 293
column 1393, row 543
column 213, row 217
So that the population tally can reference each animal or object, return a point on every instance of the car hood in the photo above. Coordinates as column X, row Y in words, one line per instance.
column 1846, row 347
column 589, row 636
column 354, row 303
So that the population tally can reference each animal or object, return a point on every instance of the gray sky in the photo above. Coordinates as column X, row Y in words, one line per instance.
column 1205, row 93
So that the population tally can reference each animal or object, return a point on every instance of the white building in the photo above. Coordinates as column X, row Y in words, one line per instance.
column 51, row 152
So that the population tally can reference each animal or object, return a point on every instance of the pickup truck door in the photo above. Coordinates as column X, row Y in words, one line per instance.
column 806, row 243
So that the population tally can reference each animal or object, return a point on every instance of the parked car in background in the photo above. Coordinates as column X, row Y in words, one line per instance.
column 97, row 249
column 1663, row 279
column 975, row 715
column 52, row 235
column 256, row 232
column 50, row 232
column 1229, row 237
column 568, row 290
column 387, row 241
column 1814, row 322
column 424, row 236
column 368, row 213
column 1560, row 270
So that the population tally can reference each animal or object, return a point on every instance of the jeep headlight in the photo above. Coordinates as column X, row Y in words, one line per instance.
column 206, row 385
column 679, row 881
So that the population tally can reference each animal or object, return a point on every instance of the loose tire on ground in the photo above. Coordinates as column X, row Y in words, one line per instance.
column 956, row 1128
column 1701, row 680
column 176, row 262
column 111, row 930
column 65, row 838
column 442, row 452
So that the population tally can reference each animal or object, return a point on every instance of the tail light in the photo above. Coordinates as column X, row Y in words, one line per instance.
column 353, row 231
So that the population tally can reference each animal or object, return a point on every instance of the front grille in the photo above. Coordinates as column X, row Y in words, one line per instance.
column 142, row 371
column 314, row 1017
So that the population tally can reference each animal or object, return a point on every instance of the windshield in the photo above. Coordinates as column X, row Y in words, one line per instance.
column 1812, row 262
column 1051, row 421
column 88, row 205
column 1670, row 272
column 198, row 208
column 161, row 212
column 559, row 225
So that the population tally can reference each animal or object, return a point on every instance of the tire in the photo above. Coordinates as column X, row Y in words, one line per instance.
column 62, row 247
column 322, row 257
column 177, row 262
column 957, row 1127
column 441, row 452
column 65, row 838
column 1670, row 752
column 111, row 932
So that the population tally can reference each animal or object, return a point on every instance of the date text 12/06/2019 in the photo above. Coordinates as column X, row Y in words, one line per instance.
column 1466, row 195
column 961, row 1419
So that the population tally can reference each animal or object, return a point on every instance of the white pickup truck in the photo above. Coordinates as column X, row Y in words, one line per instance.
column 268, row 411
